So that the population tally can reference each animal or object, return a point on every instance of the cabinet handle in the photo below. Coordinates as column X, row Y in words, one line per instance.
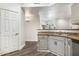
column 55, row 43
column 16, row 34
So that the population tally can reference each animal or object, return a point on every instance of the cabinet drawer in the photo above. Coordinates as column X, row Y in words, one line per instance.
column 56, row 37
column 42, row 37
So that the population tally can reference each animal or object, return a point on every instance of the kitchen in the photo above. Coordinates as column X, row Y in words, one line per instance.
column 59, row 34
column 54, row 27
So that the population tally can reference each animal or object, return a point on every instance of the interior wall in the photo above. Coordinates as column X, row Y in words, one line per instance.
column 32, row 26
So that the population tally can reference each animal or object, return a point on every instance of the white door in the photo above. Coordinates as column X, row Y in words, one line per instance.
column 9, row 31
column 13, row 31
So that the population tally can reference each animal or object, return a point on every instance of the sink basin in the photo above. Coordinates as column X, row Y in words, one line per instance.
column 45, row 27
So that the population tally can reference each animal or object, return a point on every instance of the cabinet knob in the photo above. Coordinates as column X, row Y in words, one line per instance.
column 55, row 43
column 16, row 34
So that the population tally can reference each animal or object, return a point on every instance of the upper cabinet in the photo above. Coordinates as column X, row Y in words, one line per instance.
column 61, row 15
column 43, row 15
column 57, row 11
column 75, row 16
column 62, row 10
column 53, row 14
column 75, row 12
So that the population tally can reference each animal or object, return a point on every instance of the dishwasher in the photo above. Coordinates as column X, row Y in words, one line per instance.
column 75, row 47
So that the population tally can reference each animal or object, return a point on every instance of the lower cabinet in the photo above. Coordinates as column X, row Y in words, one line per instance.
column 52, row 46
column 56, row 45
column 42, row 42
column 68, row 47
column 75, row 47
column 60, row 48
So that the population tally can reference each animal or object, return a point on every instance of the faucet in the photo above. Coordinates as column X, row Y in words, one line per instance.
column 51, row 27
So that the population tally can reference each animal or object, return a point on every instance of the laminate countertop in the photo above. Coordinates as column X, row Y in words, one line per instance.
column 71, row 35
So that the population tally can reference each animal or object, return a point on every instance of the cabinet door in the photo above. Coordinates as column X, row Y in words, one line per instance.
column 60, row 47
column 42, row 43
column 56, row 45
column 52, row 45
column 68, row 47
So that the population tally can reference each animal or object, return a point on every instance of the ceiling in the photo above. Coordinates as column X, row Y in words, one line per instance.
column 36, row 4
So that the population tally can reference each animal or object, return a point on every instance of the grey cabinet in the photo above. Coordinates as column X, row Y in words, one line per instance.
column 42, row 42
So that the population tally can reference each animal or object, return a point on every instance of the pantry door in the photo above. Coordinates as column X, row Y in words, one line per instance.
column 10, row 31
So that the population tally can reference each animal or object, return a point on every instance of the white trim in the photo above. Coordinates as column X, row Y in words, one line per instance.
column 56, row 54
column 49, row 51
column 44, row 50
column 20, row 47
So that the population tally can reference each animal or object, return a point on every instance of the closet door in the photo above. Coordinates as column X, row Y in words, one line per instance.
column 4, row 34
column 13, row 30
column 9, row 31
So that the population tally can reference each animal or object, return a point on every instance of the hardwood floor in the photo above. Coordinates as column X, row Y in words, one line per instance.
column 30, row 49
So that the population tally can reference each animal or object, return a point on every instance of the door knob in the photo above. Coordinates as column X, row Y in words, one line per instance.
column 16, row 34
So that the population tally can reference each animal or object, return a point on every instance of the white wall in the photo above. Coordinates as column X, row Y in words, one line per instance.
column 32, row 26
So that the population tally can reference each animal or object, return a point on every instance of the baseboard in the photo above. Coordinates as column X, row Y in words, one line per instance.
column 43, row 50
column 31, row 41
column 21, row 46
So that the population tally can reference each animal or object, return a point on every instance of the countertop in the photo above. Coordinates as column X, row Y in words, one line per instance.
column 60, row 30
column 72, row 34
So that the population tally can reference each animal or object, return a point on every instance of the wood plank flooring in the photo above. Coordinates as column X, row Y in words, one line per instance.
column 30, row 49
